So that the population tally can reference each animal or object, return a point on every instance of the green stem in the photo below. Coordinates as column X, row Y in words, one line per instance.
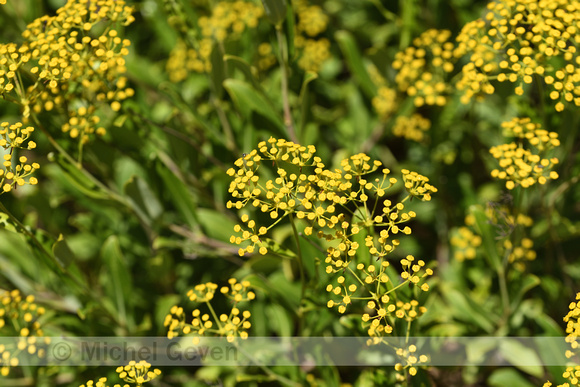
column 229, row 134
column 214, row 315
column 505, row 299
column 112, row 195
column 53, row 260
column 281, row 379
column 302, row 273
column 390, row 16
column 357, row 277
column 284, row 70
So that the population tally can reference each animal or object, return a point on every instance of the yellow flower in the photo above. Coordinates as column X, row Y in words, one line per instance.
column 422, row 68
column 525, row 165
column 411, row 128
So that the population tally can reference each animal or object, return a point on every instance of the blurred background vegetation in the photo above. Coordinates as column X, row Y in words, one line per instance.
column 144, row 218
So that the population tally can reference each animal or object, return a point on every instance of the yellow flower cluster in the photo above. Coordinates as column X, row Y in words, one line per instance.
column 412, row 128
column 137, row 373
column 521, row 40
column 314, row 53
column 183, row 60
column 423, row 68
column 572, row 333
column 411, row 359
column 517, row 255
column 75, row 62
column 230, row 19
column 573, row 376
column 227, row 20
column 312, row 21
column 385, row 102
column 19, row 318
column 465, row 243
column 266, row 57
column 573, row 326
column 519, row 164
column 232, row 325
column 342, row 204
column 477, row 73
column 313, row 193
column 417, row 185
column 64, row 63
column 83, row 122
column 16, row 171
column 384, row 310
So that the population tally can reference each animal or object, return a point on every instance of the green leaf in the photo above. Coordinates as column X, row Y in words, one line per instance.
column 215, row 224
column 11, row 270
column 508, row 377
column 62, row 251
column 279, row 320
column 303, row 100
column 75, row 176
column 248, row 70
column 477, row 349
column 309, row 76
column 116, row 279
column 487, row 233
column 260, row 321
column 142, row 199
column 120, row 120
column 5, row 222
column 162, row 306
column 529, row 282
column 290, row 30
column 275, row 11
column 181, row 196
column 466, row 309
column 349, row 48
column 552, row 354
column 522, row 357
column 218, row 70
column 248, row 100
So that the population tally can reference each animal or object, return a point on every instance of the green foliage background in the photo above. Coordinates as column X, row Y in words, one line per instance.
column 144, row 219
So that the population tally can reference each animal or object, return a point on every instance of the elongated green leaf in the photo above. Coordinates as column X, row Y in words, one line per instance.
column 248, row 100
column 508, row 377
column 349, row 49
column 248, row 70
column 62, row 251
column 116, row 279
column 181, row 196
column 5, row 222
column 290, row 30
column 522, row 357
column 467, row 309
column 529, row 282
column 218, row 70
column 279, row 320
column 303, row 101
column 551, row 354
column 275, row 11
column 216, row 225
column 488, row 236
column 142, row 199
column 75, row 176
